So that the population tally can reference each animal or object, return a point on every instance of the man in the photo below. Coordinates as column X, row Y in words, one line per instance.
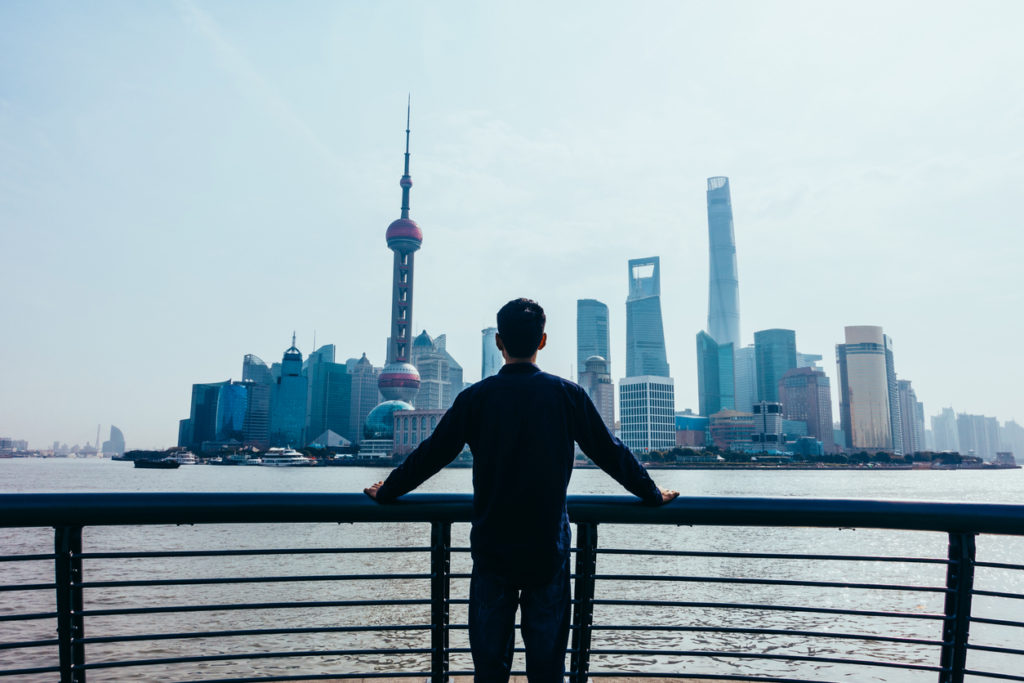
column 520, row 425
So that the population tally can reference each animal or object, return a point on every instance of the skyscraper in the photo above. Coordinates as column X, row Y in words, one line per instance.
column 864, row 389
column 776, row 355
column 255, row 370
column 645, row 335
column 597, row 382
column 400, row 380
column 288, row 401
column 716, row 385
column 365, row 395
column 806, row 396
column 591, row 333
column 745, row 370
column 491, row 360
column 912, row 423
column 723, row 289
column 329, row 395
column 115, row 446
column 944, row 431
column 440, row 374
column 895, row 416
column 647, row 413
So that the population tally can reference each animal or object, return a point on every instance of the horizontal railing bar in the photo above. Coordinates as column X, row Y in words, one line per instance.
column 999, row 565
column 28, row 616
column 94, row 509
column 697, row 677
column 772, row 582
column 248, row 632
column 27, row 672
column 987, row 674
column 28, row 643
column 771, row 632
column 246, row 606
column 27, row 558
column 10, row 588
column 772, row 556
column 247, row 579
column 993, row 648
column 997, row 622
column 248, row 655
column 596, row 652
column 253, row 551
column 320, row 677
column 999, row 594
column 777, row 608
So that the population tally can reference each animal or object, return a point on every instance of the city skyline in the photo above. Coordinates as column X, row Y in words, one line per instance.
column 206, row 183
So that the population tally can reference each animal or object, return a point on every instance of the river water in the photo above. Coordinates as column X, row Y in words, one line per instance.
column 61, row 475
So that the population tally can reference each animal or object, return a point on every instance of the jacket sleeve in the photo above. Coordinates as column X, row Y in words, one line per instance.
column 610, row 454
column 436, row 451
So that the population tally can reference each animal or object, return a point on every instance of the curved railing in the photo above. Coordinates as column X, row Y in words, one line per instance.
column 635, row 611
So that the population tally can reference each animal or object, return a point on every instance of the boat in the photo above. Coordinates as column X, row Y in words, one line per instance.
column 162, row 464
column 183, row 458
column 284, row 457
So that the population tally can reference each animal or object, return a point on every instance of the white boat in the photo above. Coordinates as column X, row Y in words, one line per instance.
column 285, row 457
column 182, row 458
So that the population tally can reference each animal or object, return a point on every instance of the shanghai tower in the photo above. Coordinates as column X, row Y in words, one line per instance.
column 400, row 379
column 723, row 289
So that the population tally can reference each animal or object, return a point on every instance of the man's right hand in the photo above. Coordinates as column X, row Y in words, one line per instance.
column 667, row 496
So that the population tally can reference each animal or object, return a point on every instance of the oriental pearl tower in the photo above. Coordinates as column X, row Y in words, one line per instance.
column 400, row 380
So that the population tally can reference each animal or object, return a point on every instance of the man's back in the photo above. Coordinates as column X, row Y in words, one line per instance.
column 521, row 425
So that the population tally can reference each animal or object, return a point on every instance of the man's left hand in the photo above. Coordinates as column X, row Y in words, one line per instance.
column 372, row 490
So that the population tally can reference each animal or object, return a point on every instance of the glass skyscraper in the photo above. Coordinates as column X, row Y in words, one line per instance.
column 591, row 333
column 716, row 376
column 864, row 389
column 491, row 359
column 288, row 401
column 723, row 288
column 645, row 335
column 776, row 355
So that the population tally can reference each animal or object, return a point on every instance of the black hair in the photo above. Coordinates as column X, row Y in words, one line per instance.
column 521, row 326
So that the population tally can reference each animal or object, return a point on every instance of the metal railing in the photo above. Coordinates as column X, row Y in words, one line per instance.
column 606, row 582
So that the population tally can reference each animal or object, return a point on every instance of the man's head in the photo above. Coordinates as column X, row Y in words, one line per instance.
column 521, row 329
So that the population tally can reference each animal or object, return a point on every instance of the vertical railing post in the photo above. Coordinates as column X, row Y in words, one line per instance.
column 440, row 587
column 67, row 546
column 956, row 627
column 583, row 612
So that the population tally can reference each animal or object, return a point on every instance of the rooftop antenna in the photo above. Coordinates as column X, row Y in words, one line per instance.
column 406, row 179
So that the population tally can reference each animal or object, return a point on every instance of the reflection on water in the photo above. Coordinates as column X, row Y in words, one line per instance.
column 29, row 475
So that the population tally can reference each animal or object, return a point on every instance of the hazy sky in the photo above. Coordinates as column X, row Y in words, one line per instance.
column 182, row 183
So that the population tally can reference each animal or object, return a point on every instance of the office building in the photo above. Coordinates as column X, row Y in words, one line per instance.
column 596, row 380
column 911, row 418
column 411, row 427
column 776, row 355
column 715, row 375
column 440, row 374
column 723, row 287
column 329, row 396
column 806, row 396
column 255, row 370
column 400, row 380
column 864, row 411
column 256, row 423
column 1011, row 438
column 895, row 416
column 288, row 395
column 767, row 434
column 645, row 335
column 647, row 413
column 732, row 430
column 944, row 432
column 745, row 377
column 978, row 435
column 592, row 333
column 115, row 444
column 491, row 358
column 365, row 395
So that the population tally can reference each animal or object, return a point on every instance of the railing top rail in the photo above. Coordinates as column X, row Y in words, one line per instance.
column 91, row 509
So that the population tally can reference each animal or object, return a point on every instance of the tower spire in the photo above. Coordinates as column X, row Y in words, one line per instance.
column 406, row 182
column 293, row 339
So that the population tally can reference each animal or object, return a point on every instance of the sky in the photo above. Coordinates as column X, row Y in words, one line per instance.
column 183, row 183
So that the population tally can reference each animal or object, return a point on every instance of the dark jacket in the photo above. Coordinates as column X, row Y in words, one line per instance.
column 520, row 425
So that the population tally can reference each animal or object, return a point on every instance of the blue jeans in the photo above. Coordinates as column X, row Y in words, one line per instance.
column 545, row 626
